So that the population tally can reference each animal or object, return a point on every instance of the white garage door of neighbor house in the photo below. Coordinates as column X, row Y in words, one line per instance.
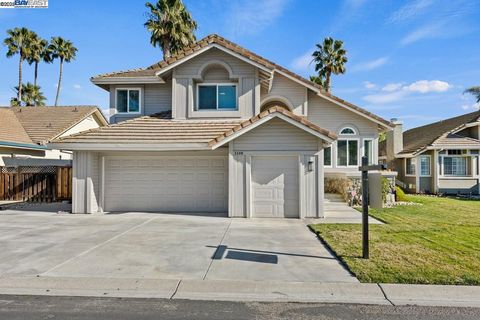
column 166, row 184
column 275, row 186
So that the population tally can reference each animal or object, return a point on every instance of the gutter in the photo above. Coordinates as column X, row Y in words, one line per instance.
column 23, row 145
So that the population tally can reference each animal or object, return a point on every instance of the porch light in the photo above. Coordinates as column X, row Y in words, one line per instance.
column 310, row 165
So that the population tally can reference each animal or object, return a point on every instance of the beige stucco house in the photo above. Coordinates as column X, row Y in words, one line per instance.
column 441, row 157
column 24, row 132
column 218, row 129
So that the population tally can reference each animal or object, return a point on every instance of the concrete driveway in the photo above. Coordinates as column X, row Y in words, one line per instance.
column 163, row 246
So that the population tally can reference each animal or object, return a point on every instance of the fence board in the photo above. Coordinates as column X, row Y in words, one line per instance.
column 44, row 184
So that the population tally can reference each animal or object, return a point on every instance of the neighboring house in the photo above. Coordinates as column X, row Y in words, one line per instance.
column 24, row 132
column 218, row 129
column 442, row 157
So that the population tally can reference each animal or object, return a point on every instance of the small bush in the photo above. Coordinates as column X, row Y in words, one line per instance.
column 401, row 196
column 338, row 186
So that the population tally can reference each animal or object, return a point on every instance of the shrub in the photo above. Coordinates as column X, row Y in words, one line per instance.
column 338, row 186
column 401, row 196
column 385, row 188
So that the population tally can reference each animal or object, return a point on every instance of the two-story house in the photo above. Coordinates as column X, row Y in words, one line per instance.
column 218, row 129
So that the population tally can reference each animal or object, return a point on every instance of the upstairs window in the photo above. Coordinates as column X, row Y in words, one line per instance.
column 128, row 101
column 217, row 96
column 347, row 153
column 368, row 150
column 348, row 131
column 327, row 157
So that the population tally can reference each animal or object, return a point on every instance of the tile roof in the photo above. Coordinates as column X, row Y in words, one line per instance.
column 418, row 138
column 37, row 125
column 216, row 39
column 161, row 129
column 264, row 114
column 154, row 129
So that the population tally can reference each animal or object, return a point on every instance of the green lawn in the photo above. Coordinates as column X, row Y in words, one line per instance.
column 437, row 242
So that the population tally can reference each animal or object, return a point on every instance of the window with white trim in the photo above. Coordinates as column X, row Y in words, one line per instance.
column 347, row 153
column 455, row 166
column 128, row 101
column 327, row 157
column 425, row 166
column 217, row 96
column 410, row 166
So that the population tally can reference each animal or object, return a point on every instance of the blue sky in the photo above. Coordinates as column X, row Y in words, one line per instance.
column 407, row 59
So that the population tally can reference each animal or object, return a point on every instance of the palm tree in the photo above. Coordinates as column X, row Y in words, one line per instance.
column 32, row 96
column 18, row 42
column 64, row 50
column 38, row 52
column 171, row 26
column 330, row 57
column 320, row 80
column 475, row 91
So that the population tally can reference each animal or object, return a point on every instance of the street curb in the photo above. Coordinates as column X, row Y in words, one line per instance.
column 255, row 291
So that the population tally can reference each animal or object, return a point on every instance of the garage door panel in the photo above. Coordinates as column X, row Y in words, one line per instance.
column 275, row 186
column 178, row 184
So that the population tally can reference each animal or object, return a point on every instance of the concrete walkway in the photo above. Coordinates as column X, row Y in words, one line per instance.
column 338, row 211
column 227, row 290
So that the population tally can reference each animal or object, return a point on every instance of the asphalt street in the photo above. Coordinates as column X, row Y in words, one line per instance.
column 75, row 308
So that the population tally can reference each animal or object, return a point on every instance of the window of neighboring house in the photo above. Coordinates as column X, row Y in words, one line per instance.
column 454, row 152
column 410, row 166
column 455, row 166
column 128, row 100
column 217, row 97
column 347, row 153
column 368, row 150
column 327, row 157
column 425, row 166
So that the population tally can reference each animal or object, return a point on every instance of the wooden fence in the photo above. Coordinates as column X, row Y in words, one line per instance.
column 39, row 184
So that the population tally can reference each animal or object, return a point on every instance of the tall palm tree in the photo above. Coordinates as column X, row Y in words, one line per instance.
column 320, row 80
column 32, row 95
column 171, row 26
column 330, row 57
column 38, row 52
column 475, row 91
column 18, row 42
column 64, row 50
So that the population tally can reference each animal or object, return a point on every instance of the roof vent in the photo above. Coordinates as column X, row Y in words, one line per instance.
column 49, row 125
column 75, row 109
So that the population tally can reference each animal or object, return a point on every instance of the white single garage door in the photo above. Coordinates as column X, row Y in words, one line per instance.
column 166, row 184
column 275, row 186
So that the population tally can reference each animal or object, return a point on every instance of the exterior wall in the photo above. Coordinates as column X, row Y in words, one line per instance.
column 189, row 73
column 276, row 137
column 333, row 117
column 86, row 189
column 91, row 122
column 465, row 185
column 154, row 98
column 286, row 89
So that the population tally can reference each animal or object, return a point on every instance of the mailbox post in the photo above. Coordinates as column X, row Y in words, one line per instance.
column 364, row 169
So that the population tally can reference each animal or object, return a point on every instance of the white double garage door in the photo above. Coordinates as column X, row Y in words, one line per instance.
column 198, row 184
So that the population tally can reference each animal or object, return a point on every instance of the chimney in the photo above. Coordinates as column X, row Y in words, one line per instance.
column 394, row 140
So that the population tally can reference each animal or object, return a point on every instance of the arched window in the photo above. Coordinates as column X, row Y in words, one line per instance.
column 348, row 131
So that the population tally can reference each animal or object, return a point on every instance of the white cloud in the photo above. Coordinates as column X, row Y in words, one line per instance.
column 473, row 106
column 77, row 86
column 425, row 86
column 369, row 85
column 410, row 10
column 389, row 87
column 303, row 62
column 433, row 30
column 394, row 92
column 251, row 16
column 370, row 65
